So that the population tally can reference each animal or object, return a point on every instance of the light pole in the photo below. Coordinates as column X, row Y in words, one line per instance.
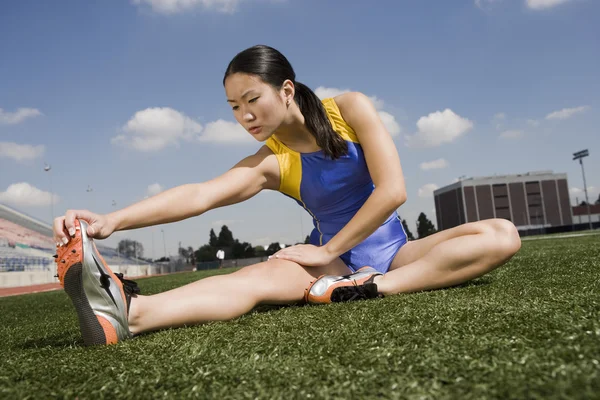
column 90, row 190
column 48, row 168
column 164, row 242
column 579, row 156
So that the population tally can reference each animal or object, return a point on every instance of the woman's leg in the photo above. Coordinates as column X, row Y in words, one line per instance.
column 451, row 257
column 224, row 297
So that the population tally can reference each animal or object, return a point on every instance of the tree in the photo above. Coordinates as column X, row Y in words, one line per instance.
column 130, row 248
column 259, row 251
column 225, row 237
column 213, row 240
column 307, row 239
column 242, row 250
column 424, row 226
column 409, row 234
column 183, row 253
column 272, row 249
column 206, row 253
column 192, row 256
column 598, row 201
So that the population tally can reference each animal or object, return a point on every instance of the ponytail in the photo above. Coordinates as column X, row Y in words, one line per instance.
column 317, row 122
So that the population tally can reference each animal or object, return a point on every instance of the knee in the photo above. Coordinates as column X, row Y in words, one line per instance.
column 505, row 236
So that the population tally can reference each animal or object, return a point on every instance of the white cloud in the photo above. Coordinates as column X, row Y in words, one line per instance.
column 485, row 4
column 511, row 134
column 154, row 189
column 324, row 92
column 567, row 112
column 177, row 6
column 25, row 195
column 575, row 190
column 579, row 195
column 543, row 4
column 153, row 129
column 436, row 164
column 221, row 131
column 427, row 190
column 437, row 128
column 532, row 4
column 13, row 118
column 498, row 120
column 20, row 152
column 533, row 123
column 389, row 121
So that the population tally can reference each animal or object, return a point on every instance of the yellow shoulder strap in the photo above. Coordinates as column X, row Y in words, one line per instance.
column 290, row 167
column 338, row 123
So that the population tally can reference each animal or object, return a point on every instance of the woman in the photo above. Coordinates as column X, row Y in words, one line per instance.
column 335, row 159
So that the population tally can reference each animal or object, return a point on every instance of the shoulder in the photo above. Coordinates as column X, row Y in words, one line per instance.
column 355, row 107
column 264, row 162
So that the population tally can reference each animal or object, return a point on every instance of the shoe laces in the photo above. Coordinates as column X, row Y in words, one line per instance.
column 129, row 287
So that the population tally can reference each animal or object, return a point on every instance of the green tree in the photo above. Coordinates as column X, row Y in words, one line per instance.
column 191, row 255
column 206, row 253
column 307, row 239
column 272, row 249
column 409, row 234
column 130, row 248
column 242, row 250
column 213, row 240
column 183, row 253
column 259, row 251
column 225, row 237
column 424, row 226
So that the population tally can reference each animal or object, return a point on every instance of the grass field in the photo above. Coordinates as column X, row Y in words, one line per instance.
column 529, row 330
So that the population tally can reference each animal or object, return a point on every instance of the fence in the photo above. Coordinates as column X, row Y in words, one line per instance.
column 241, row 262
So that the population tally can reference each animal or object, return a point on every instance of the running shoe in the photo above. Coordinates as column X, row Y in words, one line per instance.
column 101, row 297
column 334, row 289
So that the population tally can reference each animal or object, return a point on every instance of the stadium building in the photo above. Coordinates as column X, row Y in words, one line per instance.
column 531, row 200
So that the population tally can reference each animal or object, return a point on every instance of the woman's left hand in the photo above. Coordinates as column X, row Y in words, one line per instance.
column 306, row 254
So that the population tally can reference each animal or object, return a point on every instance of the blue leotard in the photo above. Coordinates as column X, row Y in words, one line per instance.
column 332, row 191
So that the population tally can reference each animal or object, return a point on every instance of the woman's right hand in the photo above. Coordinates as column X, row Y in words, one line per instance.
column 99, row 226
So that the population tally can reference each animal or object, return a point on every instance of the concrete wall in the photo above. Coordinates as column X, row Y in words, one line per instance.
column 38, row 277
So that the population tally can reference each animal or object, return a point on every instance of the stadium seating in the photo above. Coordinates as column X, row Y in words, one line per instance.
column 27, row 247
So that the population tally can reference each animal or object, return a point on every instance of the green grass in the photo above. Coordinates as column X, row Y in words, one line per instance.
column 530, row 329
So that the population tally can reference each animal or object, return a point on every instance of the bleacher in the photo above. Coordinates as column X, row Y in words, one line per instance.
column 27, row 247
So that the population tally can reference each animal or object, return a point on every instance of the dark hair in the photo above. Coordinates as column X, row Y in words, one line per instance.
column 273, row 68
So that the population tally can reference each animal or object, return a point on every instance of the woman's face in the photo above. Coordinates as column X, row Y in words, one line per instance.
column 258, row 107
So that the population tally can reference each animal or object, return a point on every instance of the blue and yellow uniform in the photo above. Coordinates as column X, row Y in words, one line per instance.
column 333, row 191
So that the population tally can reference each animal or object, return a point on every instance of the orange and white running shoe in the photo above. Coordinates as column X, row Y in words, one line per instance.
column 359, row 285
column 101, row 297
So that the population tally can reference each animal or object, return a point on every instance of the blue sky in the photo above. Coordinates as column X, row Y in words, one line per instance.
column 125, row 97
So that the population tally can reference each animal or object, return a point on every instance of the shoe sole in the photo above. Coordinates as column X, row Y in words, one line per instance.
column 96, row 329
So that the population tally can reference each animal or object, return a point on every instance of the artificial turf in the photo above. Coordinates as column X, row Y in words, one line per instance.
column 528, row 330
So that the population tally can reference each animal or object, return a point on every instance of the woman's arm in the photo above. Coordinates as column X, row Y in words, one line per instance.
column 243, row 181
column 384, row 167
column 246, row 179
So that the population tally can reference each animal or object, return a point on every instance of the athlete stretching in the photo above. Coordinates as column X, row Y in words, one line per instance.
column 336, row 160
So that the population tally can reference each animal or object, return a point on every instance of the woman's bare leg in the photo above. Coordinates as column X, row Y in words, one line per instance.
column 224, row 297
column 451, row 257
